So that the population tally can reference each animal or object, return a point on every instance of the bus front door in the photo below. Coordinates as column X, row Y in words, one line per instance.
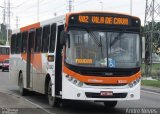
column 29, row 69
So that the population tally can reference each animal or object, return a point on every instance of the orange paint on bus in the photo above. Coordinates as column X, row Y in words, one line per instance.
column 36, row 60
column 101, row 80
column 33, row 26
column 3, row 57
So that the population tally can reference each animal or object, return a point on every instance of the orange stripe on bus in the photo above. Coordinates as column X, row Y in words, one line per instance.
column 24, row 56
column 36, row 60
column 27, row 28
column 101, row 80
column 3, row 57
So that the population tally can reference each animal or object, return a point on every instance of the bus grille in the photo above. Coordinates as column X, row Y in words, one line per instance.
column 108, row 73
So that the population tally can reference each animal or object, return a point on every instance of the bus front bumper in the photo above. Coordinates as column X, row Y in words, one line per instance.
column 73, row 92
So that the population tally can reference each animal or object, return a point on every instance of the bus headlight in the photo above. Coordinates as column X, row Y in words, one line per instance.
column 74, row 81
column 135, row 82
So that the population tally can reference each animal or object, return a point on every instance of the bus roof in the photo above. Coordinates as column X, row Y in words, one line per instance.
column 4, row 46
column 60, row 19
column 70, row 13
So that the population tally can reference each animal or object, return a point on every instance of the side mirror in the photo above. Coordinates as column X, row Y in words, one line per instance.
column 68, row 41
column 63, row 38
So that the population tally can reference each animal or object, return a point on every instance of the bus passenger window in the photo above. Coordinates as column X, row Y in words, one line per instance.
column 18, row 43
column 7, row 51
column 52, row 38
column 24, row 42
column 0, row 50
column 31, row 41
column 38, row 40
column 45, row 38
column 3, row 50
column 13, row 43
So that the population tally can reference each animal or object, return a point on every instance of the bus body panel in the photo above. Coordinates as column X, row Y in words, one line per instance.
column 71, row 91
column 41, row 68
column 17, row 64
column 38, row 71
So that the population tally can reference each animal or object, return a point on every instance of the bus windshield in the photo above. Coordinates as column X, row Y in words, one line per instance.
column 103, row 49
column 4, row 50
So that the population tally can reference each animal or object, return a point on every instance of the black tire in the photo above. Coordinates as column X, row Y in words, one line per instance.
column 110, row 104
column 2, row 70
column 53, row 101
column 22, row 90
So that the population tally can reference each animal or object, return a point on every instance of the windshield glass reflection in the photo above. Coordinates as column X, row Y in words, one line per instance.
column 103, row 49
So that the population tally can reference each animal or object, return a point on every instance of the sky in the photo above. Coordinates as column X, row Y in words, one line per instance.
column 26, row 10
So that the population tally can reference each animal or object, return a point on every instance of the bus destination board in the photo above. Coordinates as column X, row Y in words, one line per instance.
column 109, row 20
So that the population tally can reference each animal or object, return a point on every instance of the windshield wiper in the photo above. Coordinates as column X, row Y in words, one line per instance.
column 98, row 42
column 118, row 37
column 94, row 37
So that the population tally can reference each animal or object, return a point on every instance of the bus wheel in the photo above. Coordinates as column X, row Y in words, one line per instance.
column 53, row 101
column 110, row 104
column 22, row 90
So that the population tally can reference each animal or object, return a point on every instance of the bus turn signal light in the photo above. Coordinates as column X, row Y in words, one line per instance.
column 50, row 58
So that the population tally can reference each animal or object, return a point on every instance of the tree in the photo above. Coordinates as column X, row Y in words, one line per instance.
column 3, row 34
column 156, row 35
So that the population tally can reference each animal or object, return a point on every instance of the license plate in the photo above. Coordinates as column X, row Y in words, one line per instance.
column 106, row 93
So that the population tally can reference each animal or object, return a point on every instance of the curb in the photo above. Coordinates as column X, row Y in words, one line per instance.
column 150, row 89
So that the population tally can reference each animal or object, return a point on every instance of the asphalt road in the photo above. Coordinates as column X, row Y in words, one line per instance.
column 37, row 103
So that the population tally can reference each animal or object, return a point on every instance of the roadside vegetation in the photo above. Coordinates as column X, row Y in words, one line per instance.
column 154, row 79
column 152, row 83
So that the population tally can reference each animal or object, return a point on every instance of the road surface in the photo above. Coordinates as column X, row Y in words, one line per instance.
column 37, row 103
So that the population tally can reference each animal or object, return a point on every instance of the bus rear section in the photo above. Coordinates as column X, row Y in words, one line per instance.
column 4, row 54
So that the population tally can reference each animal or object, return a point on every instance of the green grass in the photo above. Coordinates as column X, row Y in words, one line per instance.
column 151, row 83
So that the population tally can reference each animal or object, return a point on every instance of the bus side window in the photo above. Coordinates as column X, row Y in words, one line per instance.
column 18, row 43
column 3, row 51
column 45, row 38
column 13, row 43
column 0, row 50
column 7, row 51
column 38, row 40
column 24, row 42
column 52, row 38
column 32, row 39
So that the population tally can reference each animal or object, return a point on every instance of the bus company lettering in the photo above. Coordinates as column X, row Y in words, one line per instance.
column 84, row 61
column 104, row 20
column 95, row 80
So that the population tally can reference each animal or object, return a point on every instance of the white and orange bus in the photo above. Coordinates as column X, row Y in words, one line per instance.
column 4, row 53
column 79, row 56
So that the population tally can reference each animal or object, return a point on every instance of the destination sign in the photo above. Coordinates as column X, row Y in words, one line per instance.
column 110, row 21
column 103, row 20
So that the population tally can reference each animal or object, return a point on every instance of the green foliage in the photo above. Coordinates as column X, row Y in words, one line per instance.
column 151, row 83
column 3, row 34
column 156, row 35
column 155, row 72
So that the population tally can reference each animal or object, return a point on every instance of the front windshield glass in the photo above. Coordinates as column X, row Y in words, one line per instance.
column 103, row 49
